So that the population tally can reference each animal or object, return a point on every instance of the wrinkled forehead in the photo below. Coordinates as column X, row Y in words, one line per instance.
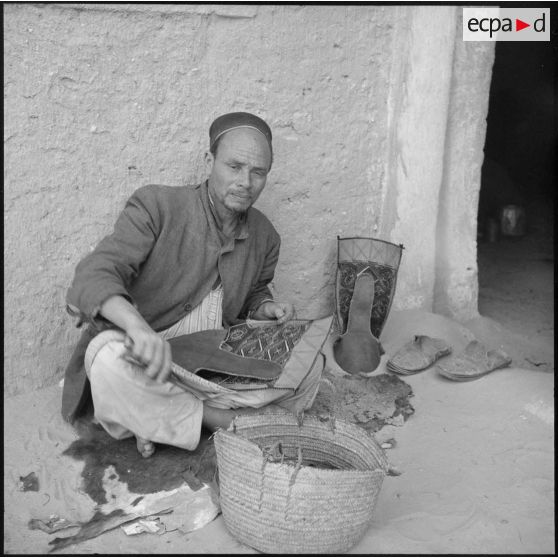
column 245, row 144
column 242, row 127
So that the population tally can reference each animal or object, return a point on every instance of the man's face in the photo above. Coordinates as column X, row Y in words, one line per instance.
column 238, row 171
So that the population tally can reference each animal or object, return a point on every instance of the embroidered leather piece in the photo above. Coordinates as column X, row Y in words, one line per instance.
column 294, row 389
column 267, row 342
column 383, row 259
column 294, row 347
column 201, row 351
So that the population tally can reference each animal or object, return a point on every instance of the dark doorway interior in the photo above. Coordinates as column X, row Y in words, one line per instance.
column 520, row 139
column 516, row 271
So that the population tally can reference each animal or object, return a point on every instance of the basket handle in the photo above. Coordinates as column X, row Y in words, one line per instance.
column 299, row 415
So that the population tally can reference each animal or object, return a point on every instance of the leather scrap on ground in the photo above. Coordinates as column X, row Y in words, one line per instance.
column 371, row 402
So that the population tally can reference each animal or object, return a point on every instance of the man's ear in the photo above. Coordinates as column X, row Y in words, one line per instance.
column 209, row 161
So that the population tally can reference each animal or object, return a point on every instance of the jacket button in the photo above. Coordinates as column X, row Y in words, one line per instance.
column 188, row 307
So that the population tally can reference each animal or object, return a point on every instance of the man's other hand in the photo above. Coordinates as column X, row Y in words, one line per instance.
column 151, row 350
column 280, row 311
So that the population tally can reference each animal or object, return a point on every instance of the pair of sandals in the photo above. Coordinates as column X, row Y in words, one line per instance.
column 423, row 351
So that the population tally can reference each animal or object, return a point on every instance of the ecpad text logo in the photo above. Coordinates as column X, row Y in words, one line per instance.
column 506, row 24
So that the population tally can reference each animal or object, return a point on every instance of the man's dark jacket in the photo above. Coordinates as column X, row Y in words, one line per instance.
column 164, row 255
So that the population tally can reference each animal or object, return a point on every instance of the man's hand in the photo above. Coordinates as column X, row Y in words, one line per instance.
column 280, row 311
column 151, row 350
column 143, row 344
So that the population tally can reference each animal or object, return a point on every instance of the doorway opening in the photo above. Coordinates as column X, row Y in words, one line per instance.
column 516, row 257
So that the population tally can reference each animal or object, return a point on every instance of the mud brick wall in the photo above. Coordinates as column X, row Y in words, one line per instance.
column 102, row 99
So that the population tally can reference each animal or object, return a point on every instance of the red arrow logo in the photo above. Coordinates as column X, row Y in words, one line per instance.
column 519, row 25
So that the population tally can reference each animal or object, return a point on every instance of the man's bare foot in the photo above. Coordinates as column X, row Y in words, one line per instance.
column 145, row 447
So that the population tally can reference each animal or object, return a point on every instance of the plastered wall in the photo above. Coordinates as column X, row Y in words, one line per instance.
column 456, row 271
column 102, row 99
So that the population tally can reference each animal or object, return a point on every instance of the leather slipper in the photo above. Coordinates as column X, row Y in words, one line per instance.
column 417, row 355
column 474, row 362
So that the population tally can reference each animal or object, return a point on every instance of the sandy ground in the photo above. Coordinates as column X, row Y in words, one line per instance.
column 516, row 289
column 477, row 458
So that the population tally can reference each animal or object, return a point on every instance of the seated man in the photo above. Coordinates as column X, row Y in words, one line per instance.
column 180, row 260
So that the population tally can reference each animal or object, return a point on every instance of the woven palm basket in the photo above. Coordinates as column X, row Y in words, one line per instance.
column 290, row 489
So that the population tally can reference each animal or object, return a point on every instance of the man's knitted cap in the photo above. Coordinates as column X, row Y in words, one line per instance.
column 235, row 120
